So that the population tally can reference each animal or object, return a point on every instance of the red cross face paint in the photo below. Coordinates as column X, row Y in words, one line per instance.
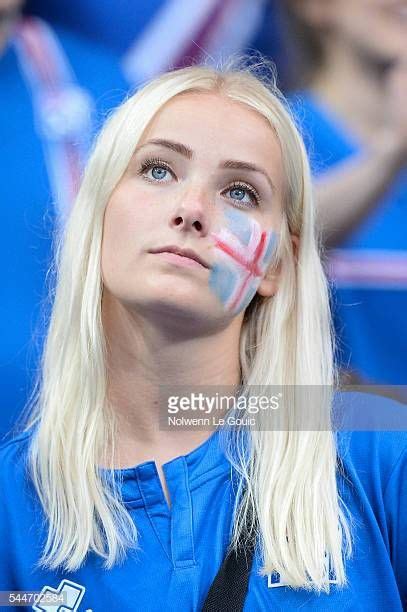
column 243, row 251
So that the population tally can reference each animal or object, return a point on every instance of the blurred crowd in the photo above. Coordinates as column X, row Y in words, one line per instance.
column 343, row 66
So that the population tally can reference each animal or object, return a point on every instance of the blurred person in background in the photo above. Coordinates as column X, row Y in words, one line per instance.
column 351, row 101
column 150, row 37
column 55, row 90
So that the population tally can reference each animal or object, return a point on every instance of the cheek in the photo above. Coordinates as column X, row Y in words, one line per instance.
column 123, row 228
column 243, row 251
column 131, row 198
column 128, row 215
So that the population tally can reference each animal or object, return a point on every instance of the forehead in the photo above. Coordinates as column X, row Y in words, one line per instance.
column 215, row 127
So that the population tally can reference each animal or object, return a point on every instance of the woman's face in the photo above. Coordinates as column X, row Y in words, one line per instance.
column 206, row 177
column 376, row 29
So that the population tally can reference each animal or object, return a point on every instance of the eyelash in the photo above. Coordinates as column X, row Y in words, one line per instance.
column 155, row 161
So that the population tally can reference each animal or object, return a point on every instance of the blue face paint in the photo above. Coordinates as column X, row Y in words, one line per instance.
column 237, row 223
column 244, row 251
column 222, row 281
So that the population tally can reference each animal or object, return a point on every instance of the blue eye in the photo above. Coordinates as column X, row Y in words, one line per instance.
column 159, row 172
column 240, row 189
column 158, row 169
column 235, row 189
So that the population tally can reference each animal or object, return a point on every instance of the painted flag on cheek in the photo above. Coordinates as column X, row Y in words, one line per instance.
column 243, row 251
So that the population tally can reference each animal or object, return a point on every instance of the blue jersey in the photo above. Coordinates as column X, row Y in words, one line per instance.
column 182, row 547
column 370, row 298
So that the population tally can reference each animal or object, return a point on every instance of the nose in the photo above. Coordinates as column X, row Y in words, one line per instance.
column 192, row 214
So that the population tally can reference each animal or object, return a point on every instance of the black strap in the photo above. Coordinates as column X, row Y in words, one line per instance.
column 228, row 590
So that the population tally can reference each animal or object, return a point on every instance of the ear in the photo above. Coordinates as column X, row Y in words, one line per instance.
column 269, row 284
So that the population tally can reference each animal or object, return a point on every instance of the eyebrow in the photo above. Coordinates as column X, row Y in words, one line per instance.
column 185, row 151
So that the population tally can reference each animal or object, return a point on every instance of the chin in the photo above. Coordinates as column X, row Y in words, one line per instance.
column 173, row 303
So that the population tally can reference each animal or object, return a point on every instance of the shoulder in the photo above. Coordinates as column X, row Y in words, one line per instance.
column 20, row 506
column 22, row 522
column 371, row 443
column 373, row 452
column 14, row 462
column 15, row 444
column 374, row 481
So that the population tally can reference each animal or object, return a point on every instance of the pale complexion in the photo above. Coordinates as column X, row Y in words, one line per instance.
column 164, row 323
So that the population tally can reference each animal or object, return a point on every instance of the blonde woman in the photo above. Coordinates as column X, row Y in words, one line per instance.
column 190, row 258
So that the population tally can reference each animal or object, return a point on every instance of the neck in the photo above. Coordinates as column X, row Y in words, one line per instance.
column 353, row 87
column 144, row 355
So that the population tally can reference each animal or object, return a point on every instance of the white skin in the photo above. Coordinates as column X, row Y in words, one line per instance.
column 163, row 323
column 363, row 80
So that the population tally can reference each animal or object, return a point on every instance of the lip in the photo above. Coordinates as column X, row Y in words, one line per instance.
column 182, row 253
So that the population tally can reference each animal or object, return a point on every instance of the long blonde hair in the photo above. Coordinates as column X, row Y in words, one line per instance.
column 289, row 478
